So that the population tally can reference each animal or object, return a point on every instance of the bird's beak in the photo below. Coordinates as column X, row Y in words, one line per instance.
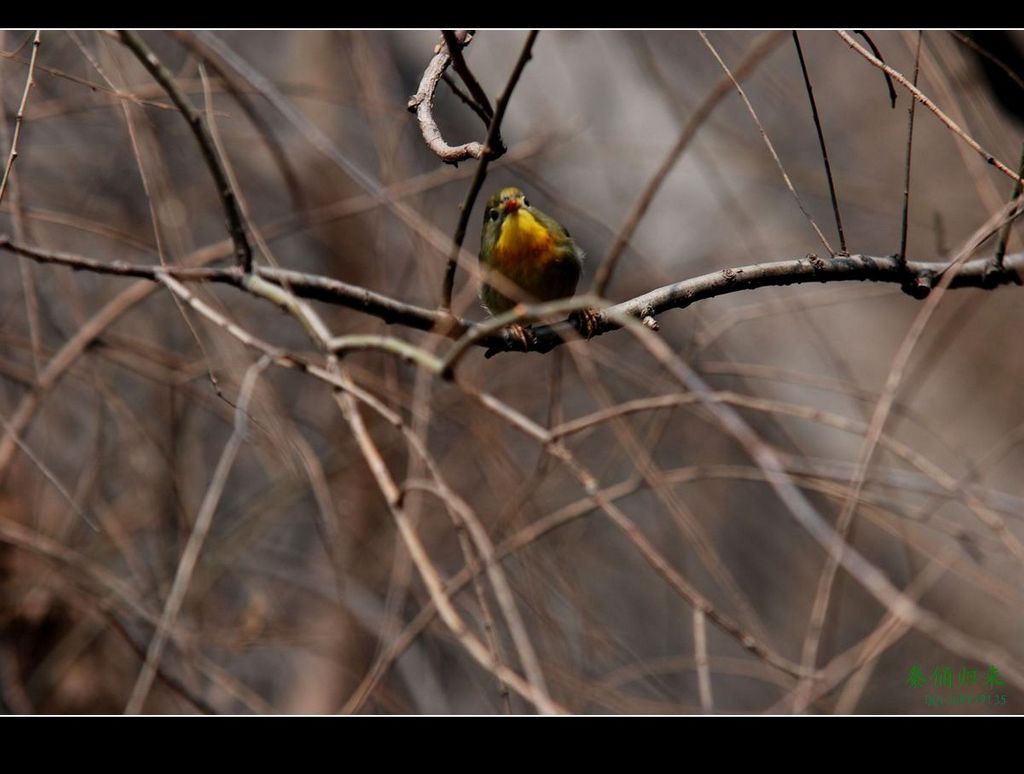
column 512, row 205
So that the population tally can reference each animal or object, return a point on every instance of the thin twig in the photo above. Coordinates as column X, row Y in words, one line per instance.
column 194, row 546
column 650, row 553
column 468, row 100
column 910, row 142
column 949, row 91
column 870, row 648
column 372, row 342
column 553, row 521
column 877, row 53
column 499, row 582
column 761, row 47
column 1004, row 232
column 229, row 201
column 155, row 190
column 768, row 143
column 20, row 117
column 821, row 142
column 692, row 527
column 59, row 365
column 920, row 97
column 700, row 659
column 868, row 575
column 823, row 596
column 948, row 484
column 18, row 220
column 88, row 332
column 213, row 47
column 537, row 695
column 984, row 52
column 260, row 124
column 490, row 628
column 533, row 688
column 481, row 171
column 530, row 690
column 455, row 46
column 48, row 474
column 111, row 591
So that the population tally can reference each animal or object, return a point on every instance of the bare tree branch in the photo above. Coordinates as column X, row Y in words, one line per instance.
column 20, row 116
column 767, row 142
column 821, row 142
column 761, row 47
column 950, row 124
column 190, row 556
column 232, row 212
column 479, row 96
column 916, row 279
column 422, row 104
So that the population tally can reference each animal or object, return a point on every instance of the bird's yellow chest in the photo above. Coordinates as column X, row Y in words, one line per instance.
column 523, row 247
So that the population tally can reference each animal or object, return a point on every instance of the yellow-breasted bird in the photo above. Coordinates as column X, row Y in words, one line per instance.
column 533, row 251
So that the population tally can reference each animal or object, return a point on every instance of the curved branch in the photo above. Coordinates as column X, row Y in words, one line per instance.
column 422, row 104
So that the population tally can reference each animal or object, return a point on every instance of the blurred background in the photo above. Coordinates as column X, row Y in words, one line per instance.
column 117, row 401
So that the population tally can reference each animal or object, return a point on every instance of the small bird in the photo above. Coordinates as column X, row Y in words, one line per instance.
column 531, row 250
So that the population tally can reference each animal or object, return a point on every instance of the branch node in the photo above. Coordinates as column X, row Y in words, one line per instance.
column 995, row 274
column 816, row 263
column 919, row 284
column 513, row 338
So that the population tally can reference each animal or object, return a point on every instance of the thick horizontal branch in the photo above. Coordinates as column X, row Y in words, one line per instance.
column 915, row 277
column 312, row 286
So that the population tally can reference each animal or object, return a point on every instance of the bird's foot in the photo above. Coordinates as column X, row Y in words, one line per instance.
column 586, row 321
column 522, row 334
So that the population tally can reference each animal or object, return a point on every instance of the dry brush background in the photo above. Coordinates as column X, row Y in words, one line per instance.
column 601, row 524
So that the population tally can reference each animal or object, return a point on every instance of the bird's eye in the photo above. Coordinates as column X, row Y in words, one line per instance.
column 526, row 202
column 493, row 214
